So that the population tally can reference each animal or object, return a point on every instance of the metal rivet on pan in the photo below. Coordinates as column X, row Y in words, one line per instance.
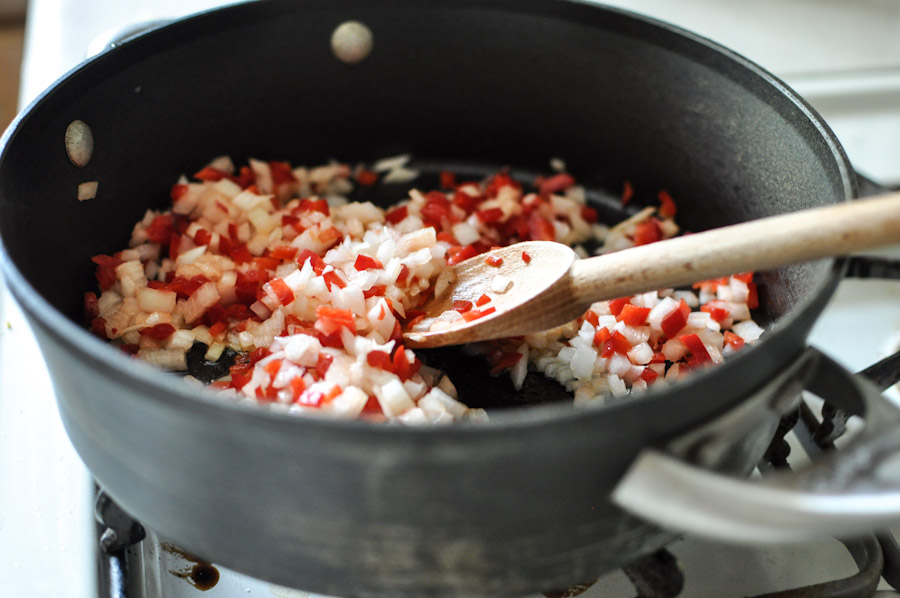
column 79, row 143
column 351, row 42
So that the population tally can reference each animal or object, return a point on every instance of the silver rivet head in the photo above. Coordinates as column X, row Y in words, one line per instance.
column 79, row 143
column 351, row 42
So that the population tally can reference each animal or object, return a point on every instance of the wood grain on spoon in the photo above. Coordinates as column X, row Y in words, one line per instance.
column 554, row 287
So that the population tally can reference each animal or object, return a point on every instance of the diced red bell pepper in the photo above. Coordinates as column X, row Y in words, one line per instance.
column 675, row 320
column 215, row 313
column 106, row 270
column 372, row 405
column 403, row 276
column 753, row 297
column 293, row 222
column 283, row 252
column 460, row 254
column 380, row 360
column 281, row 290
column 617, row 343
column 240, row 254
column 482, row 300
column 555, row 184
column 540, row 229
column 202, row 237
column 490, row 216
column 311, row 398
column 397, row 214
column 718, row 310
column 160, row 229
column 365, row 262
column 633, row 315
column 272, row 367
column 627, row 192
column 245, row 177
column 330, row 236
column 494, row 260
column 259, row 353
column 667, row 207
column 601, row 336
column 185, row 287
column 178, row 191
column 297, row 388
column 323, row 362
column 376, row 290
column 504, row 361
column 402, row 366
column 436, row 211
column 313, row 205
column 616, row 305
column 233, row 233
column 266, row 263
column 647, row 231
column 474, row 314
column 696, row 347
column 498, row 181
column 366, row 178
column 462, row 306
column 448, row 179
column 649, row 376
column 464, row 201
column 710, row 286
column 208, row 173
column 98, row 327
column 281, row 173
column 734, row 340
column 318, row 265
column 332, row 278
column 218, row 328
column 91, row 307
column 330, row 320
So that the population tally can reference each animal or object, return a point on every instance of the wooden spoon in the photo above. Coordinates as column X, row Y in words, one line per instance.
column 551, row 286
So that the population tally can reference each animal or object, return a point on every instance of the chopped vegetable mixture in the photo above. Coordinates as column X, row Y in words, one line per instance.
column 300, row 297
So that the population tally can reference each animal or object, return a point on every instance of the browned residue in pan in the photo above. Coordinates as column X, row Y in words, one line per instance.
column 571, row 591
column 197, row 572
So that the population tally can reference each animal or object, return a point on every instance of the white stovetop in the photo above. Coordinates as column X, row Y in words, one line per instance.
column 844, row 57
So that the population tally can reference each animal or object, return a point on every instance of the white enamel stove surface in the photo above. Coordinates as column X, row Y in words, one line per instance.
column 844, row 57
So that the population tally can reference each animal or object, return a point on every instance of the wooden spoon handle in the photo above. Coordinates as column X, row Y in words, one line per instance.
column 800, row 236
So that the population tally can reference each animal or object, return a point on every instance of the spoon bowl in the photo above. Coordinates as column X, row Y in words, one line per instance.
column 536, row 295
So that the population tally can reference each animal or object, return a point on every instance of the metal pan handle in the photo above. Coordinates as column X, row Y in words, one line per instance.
column 851, row 491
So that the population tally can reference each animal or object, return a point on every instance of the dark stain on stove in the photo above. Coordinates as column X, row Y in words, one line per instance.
column 197, row 572
column 571, row 591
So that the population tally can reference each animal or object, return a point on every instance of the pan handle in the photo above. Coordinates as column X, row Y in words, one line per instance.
column 850, row 491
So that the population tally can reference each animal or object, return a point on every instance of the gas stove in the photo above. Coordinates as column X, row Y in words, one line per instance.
column 50, row 539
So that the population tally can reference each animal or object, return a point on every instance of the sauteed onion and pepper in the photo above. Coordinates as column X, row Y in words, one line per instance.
column 289, row 294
